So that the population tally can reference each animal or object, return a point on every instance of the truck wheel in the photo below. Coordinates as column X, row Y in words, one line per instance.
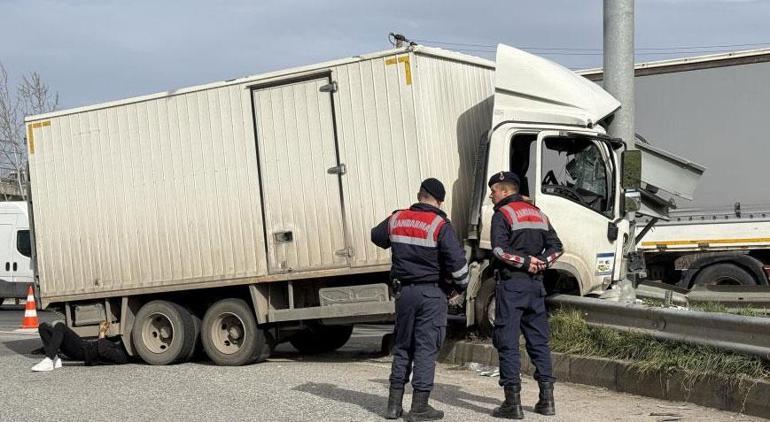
column 321, row 338
column 163, row 333
column 721, row 274
column 485, row 308
column 230, row 334
column 197, row 331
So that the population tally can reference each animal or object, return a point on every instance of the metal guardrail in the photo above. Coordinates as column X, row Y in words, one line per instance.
column 749, row 335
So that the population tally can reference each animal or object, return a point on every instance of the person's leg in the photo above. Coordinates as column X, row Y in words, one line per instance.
column 71, row 344
column 534, row 325
column 505, row 338
column 430, row 329
column 51, row 343
column 509, row 306
column 50, row 338
column 403, row 351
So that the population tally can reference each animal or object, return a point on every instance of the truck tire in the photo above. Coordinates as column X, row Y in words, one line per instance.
column 321, row 338
column 485, row 308
column 724, row 273
column 163, row 333
column 197, row 342
column 230, row 334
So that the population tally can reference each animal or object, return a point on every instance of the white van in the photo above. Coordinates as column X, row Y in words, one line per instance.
column 15, row 251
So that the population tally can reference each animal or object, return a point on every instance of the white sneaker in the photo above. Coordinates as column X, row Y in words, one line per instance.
column 57, row 363
column 45, row 365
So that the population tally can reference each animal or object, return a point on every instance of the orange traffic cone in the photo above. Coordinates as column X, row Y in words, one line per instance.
column 30, row 320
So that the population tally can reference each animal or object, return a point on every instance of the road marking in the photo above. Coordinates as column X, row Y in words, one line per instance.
column 23, row 331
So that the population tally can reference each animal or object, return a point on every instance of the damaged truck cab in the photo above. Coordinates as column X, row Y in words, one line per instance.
column 546, row 127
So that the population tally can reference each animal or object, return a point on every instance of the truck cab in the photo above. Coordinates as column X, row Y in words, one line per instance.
column 546, row 128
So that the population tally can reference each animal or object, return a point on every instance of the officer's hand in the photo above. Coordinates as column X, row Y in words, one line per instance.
column 536, row 265
column 457, row 299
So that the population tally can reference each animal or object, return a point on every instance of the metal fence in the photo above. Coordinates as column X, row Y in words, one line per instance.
column 730, row 332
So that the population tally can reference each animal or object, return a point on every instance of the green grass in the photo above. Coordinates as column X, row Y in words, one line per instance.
column 570, row 334
column 715, row 307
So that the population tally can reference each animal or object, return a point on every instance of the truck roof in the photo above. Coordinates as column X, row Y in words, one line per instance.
column 433, row 51
column 708, row 61
column 13, row 207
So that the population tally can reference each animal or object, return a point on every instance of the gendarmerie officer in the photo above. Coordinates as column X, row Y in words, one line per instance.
column 425, row 249
column 524, row 244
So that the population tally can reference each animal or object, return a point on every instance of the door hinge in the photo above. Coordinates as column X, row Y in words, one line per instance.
column 340, row 169
column 330, row 87
column 347, row 252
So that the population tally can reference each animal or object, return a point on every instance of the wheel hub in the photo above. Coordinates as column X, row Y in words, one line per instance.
column 158, row 332
column 228, row 333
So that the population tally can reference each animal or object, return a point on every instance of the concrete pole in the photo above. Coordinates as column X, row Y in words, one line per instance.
column 619, row 65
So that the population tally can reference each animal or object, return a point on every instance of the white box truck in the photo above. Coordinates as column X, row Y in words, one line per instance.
column 248, row 203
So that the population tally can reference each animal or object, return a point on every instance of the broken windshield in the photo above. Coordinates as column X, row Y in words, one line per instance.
column 578, row 169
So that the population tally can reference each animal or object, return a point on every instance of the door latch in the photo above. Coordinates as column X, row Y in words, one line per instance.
column 340, row 169
column 283, row 236
column 346, row 252
column 330, row 87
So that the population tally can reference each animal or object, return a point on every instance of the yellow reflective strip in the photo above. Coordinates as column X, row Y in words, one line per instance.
column 707, row 241
column 31, row 133
column 407, row 67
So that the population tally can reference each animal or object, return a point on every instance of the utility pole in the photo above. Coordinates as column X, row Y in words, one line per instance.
column 619, row 66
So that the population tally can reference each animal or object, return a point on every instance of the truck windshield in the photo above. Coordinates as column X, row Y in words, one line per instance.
column 578, row 169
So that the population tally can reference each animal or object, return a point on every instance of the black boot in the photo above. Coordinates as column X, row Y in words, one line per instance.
column 546, row 404
column 394, row 404
column 421, row 410
column 511, row 407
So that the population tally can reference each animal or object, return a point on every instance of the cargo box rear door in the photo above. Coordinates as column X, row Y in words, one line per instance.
column 300, row 175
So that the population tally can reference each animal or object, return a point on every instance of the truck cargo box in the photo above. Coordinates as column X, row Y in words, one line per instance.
column 270, row 177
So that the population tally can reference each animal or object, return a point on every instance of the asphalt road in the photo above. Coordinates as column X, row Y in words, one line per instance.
column 349, row 385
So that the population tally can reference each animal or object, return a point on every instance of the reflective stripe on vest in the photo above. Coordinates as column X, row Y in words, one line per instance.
column 415, row 228
column 521, row 215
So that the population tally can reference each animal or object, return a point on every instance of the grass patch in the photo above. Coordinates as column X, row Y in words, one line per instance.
column 718, row 307
column 571, row 334
column 715, row 307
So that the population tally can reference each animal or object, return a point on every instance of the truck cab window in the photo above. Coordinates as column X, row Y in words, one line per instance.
column 23, row 245
column 522, row 159
column 576, row 169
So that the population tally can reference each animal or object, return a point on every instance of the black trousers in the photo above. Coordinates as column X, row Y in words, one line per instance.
column 60, row 338
column 520, row 308
column 418, row 333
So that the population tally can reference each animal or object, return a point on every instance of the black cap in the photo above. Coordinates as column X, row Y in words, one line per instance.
column 504, row 176
column 434, row 187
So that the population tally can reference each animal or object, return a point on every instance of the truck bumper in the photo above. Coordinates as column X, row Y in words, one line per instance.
column 9, row 289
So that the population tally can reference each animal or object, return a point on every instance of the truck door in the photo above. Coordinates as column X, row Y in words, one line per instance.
column 575, row 187
column 300, row 175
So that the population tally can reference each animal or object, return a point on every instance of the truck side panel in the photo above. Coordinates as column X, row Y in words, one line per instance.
column 148, row 194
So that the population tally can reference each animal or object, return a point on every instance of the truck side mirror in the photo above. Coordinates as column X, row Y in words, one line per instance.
column 632, row 201
column 632, row 169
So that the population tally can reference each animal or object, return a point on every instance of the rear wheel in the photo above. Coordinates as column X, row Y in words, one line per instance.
column 724, row 274
column 230, row 334
column 485, row 308
column 163, row 333
column 321, row 338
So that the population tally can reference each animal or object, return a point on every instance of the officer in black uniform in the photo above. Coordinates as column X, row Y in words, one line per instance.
column 425, row 250
column 524, row 244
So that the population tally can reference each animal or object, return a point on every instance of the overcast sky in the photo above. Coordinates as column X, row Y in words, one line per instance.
column 94, row 51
